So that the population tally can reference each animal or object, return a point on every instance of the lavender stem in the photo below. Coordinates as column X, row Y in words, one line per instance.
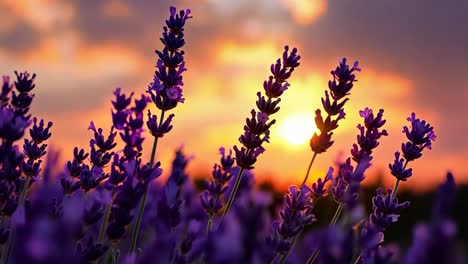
column 105, row 220
column 145, row 195
column 233, row 193
column 397, row 182
column 24, row 190
column 308, row 169
column 209, row 225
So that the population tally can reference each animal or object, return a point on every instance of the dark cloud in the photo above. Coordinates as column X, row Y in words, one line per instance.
column 20, row 38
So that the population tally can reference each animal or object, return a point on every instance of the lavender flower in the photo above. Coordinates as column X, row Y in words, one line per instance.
column 169, row 206
column 318, row 188
column 165, row 90
column 370, row 134
column 295, row 215
column 5, row 91
column 398, row 168
column 420, row 137
column 343, row 79
column 385, row 208
column 361, row 153
column 256, row 130
column 127, row 197
column 159, row 130
column 11, row 126
column 21, row 102
column 34, row 150
column 212, row 197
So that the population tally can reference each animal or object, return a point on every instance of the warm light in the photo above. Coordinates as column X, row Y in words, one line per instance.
column 305, row 12
column 297, row 129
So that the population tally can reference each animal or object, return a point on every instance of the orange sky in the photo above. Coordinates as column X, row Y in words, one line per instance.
column 81, row 52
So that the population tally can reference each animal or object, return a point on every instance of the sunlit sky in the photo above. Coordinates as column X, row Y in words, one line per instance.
column 412, row 54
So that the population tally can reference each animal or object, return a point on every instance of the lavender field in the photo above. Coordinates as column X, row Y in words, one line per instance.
column 246, row 140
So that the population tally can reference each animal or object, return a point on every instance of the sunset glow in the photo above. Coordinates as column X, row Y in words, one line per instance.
column 230, row 46
column 287, row 131
column 297, row 129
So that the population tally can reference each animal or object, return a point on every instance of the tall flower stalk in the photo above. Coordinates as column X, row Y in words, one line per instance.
column 14, row 120
column 212, row 198
column 165, row 90
column 347, row 183
column 340, row 87
column 257, row 128
column 420, row 136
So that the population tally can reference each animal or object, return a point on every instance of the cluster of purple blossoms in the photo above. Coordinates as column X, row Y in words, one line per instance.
column 349, row 178
column 347, row 182
column 129, row 177
column 212, row 199
column 384, row 209
column 88, row 177
column 169, row 206
column 295, row 215
column 257, row 128
column 420, row 137
column 33, row 150
column 318, row 189
column 340, row 86
column 166, row 89
column 18, row 170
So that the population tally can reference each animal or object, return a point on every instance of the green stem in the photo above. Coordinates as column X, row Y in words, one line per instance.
column 233, row 193
column 109, row 255
column 174, row 253
column 23, row 191
column 285, row 256
column 273, row 259
column 138, row 222
column 337, row 214
column 313, row 256
column 136, row 230
column 397, row 182
column 104, row 222
column 395, row 187
column 209, row 225
column 308, row 169
column 4, row 257
column 8, row 245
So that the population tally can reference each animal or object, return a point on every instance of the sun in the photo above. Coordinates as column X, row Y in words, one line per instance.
column 297, row 129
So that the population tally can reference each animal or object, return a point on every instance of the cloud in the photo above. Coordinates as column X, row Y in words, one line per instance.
column 44, row 16
column 117, row 9
column 305, row 12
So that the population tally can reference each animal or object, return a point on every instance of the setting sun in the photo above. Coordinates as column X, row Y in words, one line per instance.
column 297, row 129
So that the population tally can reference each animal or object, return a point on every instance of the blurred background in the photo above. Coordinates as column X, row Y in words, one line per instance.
column 412, row 54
